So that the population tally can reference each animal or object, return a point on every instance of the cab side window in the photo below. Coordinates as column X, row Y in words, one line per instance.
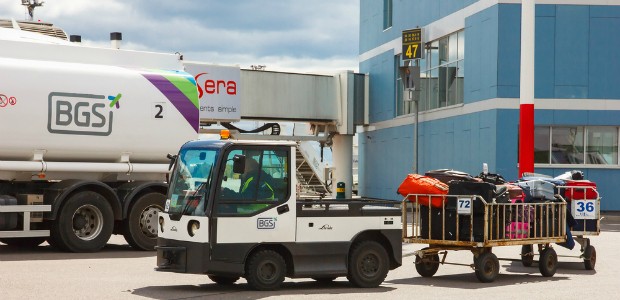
column 264, row 182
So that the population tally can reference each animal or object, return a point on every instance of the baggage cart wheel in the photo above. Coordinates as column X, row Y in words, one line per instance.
column 487, row 267
column 428, row 265
column 527, row 255
column 548, row 262
column 589, row 257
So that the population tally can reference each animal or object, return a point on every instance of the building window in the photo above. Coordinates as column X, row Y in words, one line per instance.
column 597, row 145
column 442, row 75
column 387, row 14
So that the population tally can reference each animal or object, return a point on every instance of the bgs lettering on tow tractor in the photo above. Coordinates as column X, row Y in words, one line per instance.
column 80, row 114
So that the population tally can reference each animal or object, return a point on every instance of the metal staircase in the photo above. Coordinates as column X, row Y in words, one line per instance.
column 312, row 175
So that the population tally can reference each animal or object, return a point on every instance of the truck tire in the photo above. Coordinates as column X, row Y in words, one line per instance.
column 140, row 227
column 223, row 280
column 368, row 264
column 84, row 223
column 29, row 242
column 265, row 270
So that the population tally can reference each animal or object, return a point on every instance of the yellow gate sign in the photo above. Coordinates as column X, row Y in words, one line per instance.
column 412, row 44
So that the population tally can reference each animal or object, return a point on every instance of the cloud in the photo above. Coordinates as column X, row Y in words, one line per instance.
column 319, row 34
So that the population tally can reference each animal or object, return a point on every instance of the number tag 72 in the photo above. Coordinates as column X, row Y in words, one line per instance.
column 464, row 206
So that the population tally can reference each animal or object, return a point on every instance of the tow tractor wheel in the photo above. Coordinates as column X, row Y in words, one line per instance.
column 589, row 257
column 548, row 262
column 140, row 227
column 223, row 280
column 428, row 265
column 84, row 223
column 368, row 264
column 265, row 270
column 527, row 255
column 487, row 267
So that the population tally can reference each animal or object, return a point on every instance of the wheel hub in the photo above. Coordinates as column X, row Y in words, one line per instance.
column 267, row 271
column 148, row 221
column 369, row 265
column 87, row 222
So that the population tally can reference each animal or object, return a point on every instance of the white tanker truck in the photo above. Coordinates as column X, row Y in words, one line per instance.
column 84, row 134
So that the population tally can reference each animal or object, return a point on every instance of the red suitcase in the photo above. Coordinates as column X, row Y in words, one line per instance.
column 580, row 190
column 419, row 184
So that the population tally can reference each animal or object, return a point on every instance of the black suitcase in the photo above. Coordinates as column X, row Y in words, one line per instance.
column 446, row 175
column 436, row 220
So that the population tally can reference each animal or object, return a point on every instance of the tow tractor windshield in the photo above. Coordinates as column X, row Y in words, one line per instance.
column 191, row 182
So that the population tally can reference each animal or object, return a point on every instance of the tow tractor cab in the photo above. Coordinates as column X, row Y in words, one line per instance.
column 232, row 212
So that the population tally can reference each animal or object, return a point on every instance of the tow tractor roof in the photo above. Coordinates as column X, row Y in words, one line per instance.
column 218, row 144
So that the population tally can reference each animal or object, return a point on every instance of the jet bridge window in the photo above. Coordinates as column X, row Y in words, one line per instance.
column 264, row 183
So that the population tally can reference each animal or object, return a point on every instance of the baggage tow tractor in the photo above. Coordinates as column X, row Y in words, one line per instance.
column 224, row 221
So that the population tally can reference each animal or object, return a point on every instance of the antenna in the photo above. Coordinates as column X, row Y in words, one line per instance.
column 30, row 6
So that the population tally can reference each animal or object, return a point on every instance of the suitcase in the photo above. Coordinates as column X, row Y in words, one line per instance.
column 437, row 227
column 8, row 221
column 537, row 189
column 580, row 190
column 547, row 222
column 518, row 230
column 446, row 175
column 419, row 184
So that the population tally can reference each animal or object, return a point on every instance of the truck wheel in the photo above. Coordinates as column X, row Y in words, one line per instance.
column 84, row 223
column 427, row 266
column 265, row 270
column 223, row 280
column 23, row 242
column 589, row 257
column 487, row 267
column 140, row 227
column 548, row 262
column 527, row 255
column 368, row 264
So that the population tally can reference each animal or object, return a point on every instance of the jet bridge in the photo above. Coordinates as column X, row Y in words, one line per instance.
column 333, row 104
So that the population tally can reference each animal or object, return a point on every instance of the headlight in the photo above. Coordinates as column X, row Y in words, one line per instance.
column 192, row 227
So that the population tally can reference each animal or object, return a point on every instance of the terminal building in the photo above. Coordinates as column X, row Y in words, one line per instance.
column 468, row 92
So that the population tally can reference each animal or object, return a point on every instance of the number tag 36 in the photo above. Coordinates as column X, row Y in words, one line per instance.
column 464, row 206
column 584, row 209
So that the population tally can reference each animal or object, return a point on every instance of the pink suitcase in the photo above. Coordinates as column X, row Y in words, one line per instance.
column 518, row 230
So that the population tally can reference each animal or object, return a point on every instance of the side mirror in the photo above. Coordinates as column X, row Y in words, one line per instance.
column 238, row 163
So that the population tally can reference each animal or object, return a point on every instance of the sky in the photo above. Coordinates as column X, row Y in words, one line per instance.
column 317, row 36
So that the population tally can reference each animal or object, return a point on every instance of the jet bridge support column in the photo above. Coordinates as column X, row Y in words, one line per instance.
column 342, row 150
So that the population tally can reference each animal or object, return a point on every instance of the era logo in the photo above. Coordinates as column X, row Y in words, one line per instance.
column 266, row 223
column 215, row 86
column 80, row 114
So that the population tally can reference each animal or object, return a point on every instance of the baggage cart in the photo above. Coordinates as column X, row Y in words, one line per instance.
column 468, row 222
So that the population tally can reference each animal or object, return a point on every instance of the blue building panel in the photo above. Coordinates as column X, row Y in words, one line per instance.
column 509, row 51
column 481, row 30
column 604, row 63
column 571, row 51
column 544, row 70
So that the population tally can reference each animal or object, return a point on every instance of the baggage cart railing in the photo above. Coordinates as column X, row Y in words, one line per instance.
column 584, row 203
column 470, row 221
